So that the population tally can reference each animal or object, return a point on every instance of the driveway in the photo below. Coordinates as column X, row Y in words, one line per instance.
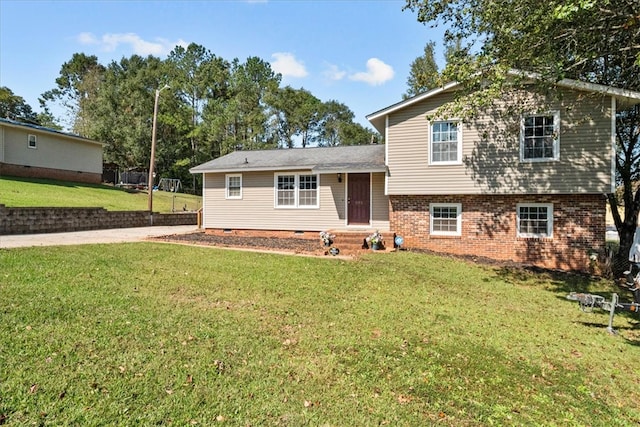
column 114, row 235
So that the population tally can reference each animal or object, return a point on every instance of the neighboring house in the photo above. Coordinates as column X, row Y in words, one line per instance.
column 34, row 151
column 523, row 180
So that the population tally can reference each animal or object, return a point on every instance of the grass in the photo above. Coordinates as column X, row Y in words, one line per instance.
column 22, row 192
column 149, row 334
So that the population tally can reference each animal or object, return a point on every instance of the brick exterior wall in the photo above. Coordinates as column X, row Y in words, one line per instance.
column 7, row 169
column 489, row 228
column 58, row 220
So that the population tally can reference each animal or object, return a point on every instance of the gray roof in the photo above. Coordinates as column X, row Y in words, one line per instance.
column 17, row 124
column 352, row 158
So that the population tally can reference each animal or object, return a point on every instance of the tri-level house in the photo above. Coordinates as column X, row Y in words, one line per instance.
column 524, row 179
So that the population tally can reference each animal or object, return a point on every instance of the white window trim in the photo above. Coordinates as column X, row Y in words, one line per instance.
column 549, row 207
column 458, row 207
column 296, row 204
column 35, row 141
column 556, row 141
column 458, row 122
column 227, row 187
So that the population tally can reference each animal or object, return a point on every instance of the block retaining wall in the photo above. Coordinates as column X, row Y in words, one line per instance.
column 489, row 228
column 59, row 220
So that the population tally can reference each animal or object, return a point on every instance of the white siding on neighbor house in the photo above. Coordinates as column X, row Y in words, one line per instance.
column 491, row 149
column 256, row 209
column 52, row 151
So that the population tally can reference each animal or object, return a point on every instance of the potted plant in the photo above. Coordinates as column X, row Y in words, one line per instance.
column 327, row 238
column 376, row 241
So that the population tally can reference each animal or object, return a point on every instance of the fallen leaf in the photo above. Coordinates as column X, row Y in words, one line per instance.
column 402, row 399
column 33, row 388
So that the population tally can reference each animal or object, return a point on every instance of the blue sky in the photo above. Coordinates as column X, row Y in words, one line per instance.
column 355, row 52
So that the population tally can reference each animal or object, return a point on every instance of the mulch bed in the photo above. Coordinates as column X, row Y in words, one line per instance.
column 294, row 245
column 314, row 247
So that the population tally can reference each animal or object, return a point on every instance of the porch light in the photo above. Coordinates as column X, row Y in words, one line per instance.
column 339, row 177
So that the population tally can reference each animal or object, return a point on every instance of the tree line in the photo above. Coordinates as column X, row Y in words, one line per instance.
column 212, row 107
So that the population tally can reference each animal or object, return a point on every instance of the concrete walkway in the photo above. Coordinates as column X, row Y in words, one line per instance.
column 114, row 235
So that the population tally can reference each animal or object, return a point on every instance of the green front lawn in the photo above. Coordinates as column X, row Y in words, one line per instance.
column 158, row 334
column 22, row 192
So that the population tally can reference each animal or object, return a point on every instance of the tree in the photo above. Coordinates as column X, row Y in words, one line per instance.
column 424, row 74
column 76, row 89
column 122, row 114
column 239, row 120
column 297, row 113
column 338, row 128
column 14, row 107
column 594, row 41
column 197, row 76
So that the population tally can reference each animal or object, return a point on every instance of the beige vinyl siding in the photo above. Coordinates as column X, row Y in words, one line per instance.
column 52, row 151
column 256, row 209
column 379, row 203
column 491, row 149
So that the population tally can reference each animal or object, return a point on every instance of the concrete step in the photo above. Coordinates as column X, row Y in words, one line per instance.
column 353, row 241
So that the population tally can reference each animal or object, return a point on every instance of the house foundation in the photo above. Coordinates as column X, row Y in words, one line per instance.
column 489, row 228
column 7, row 169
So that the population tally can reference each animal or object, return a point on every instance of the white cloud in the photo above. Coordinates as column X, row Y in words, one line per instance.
column 87, row 38
column 377, row 73
column 334, row 73
column 286, row 64
column 111, row 41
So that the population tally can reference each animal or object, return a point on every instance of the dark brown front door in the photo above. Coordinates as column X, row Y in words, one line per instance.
column 358, row 199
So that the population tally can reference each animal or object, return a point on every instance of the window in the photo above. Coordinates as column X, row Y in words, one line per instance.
column 446, row 219
column 535, row 220
column 446, row 143
column 296, row 191
column 308, row 190
column 539, row 137
column 286, row 191
column 32, row 141
column 234, row 186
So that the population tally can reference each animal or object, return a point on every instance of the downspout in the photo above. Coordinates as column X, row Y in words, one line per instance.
column 386, row 154
column 202, row 208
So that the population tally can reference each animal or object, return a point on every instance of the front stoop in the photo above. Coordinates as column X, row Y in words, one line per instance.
column 351, row 242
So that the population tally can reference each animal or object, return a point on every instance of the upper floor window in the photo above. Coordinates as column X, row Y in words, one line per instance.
column 446, row 143
column 535, row 220
column 32, row 141
column 234, row 186
column 446, row 219
column 296, row 191
column 539, row 137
